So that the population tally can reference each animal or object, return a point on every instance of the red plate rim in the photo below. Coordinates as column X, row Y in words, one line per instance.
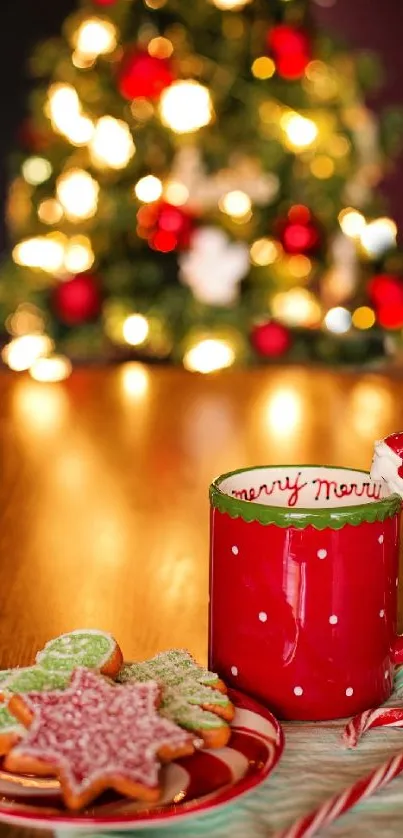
column 169, row 812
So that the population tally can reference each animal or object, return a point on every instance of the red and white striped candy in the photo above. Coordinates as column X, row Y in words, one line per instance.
column 383, row 717
column 340, row 803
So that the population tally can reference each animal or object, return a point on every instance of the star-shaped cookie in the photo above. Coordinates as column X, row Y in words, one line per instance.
column 94, row 736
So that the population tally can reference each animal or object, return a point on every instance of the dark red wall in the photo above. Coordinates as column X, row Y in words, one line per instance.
column 378, row 25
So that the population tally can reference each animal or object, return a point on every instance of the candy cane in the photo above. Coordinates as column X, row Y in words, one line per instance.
column 384, row 717
column 340, row 803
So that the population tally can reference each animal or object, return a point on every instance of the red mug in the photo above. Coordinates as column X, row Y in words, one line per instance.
column 303, row 588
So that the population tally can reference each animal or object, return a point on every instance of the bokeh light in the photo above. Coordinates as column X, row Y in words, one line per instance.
column 36, row 170
column 135, row 329
column 338, row 320
column 95, row 36
column 148, row 189
column 78, row 194
column 21, row 352
column 112, row 144
column 186, row 106
column 52, row 369
column 209, row 355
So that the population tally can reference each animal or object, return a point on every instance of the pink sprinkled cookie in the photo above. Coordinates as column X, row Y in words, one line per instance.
column 94, row 736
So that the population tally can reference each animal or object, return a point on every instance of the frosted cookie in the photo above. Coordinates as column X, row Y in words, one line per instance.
column 84, row 647
column 96, row 735
column 18, row 680
column 192, row 696
column 10, row 730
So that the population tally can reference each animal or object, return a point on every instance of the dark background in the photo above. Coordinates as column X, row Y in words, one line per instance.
column 376, row 24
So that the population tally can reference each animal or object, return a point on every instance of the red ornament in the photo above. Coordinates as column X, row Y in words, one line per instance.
column 144, row 76
column 386, row 294
column 291, row 49
column 271, row 339
column 78, row 299
column 165, row 227
column 299, row 232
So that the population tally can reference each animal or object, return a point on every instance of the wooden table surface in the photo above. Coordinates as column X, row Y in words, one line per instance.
column 104, row 489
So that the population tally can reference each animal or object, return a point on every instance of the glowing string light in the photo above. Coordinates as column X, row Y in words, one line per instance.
column 186, row 106
column 111, row 144
column 21, row 352
column 95, row 37
column 78, row 194
column 52, row 369
column 209, row 355
column 36, row 170
column 135, row 329
column 148, row 189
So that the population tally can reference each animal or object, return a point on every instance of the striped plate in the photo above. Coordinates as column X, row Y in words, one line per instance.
column 193, row 786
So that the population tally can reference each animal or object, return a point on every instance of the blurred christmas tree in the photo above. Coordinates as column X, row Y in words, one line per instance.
column 198, row 184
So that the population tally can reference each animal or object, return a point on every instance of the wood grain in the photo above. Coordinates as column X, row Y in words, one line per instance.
column 103, row 494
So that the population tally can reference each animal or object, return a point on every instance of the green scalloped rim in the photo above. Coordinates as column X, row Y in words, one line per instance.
column 332, row 518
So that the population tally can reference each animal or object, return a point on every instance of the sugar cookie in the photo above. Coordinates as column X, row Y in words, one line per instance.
column 84, row 647
column 192, row 697
column 96, row 735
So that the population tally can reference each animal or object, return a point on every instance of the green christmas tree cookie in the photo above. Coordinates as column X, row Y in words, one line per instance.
column 189, row 694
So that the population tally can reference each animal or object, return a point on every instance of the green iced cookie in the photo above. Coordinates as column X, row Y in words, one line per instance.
column 185, row 688
column 89, row 648
column 33, row 679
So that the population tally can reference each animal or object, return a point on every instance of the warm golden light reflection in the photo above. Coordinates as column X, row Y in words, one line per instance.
column 21, row 352
column 283, row 411
column 38, row 408
column 209, row 355
column 135, row 380
column 371, row 409
column 55, row 368
column 186, row 106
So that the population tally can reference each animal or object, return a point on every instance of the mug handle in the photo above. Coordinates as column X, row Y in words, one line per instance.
column 397, row 650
